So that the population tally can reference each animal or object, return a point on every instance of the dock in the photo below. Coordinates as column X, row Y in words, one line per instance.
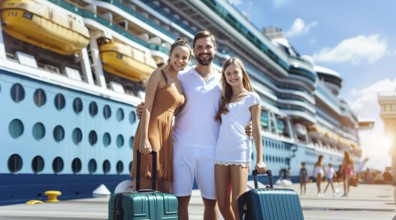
column 365, row 202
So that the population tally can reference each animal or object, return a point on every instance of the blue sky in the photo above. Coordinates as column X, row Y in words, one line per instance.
column 356, row 38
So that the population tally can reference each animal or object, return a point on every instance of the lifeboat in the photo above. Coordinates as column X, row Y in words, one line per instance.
column 126, row 61
column 44, row 26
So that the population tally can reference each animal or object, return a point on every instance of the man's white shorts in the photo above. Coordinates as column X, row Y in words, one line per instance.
column 190, row 162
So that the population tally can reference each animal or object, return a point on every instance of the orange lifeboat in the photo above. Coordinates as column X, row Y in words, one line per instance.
column 126, row 61
column 44, row 26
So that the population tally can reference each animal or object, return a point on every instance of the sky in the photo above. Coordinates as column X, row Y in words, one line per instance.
column 356, row 38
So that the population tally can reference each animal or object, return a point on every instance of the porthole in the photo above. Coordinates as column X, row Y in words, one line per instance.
column 59, row 101
column 106, row 166
column 76, row 165
column 39, row 97
column 59, row 133
column 38, row 131
column 17, row 92
column 57, row 164
column 15, row 163
column 120, row 141
column 120, row 167
column 132, row 117
column 77, row 105
column 37, row 164
column 92, row 166
column 15, row 128
column 106, row 139
column 106, row 112
column 120, row 114
column 93, row 109
column 93, row 138
column 130, row 166
column 77, row 136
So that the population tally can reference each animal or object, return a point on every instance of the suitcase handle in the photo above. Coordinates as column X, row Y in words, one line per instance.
column 153, row 170
column 268, row 172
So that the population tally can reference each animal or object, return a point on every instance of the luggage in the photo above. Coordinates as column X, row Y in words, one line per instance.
column 269, row 203
column 145, row 203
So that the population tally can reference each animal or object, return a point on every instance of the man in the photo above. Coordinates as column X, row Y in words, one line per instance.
column 195, row 131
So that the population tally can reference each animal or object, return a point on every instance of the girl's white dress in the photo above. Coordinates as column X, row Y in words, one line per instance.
column 234, row 146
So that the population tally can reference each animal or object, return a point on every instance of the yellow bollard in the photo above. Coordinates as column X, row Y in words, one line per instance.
column 34, row 202
column 52, row 195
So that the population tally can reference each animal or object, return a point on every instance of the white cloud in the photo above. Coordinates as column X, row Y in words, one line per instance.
column 357, row 49
column 364, row 103
column 299, row 27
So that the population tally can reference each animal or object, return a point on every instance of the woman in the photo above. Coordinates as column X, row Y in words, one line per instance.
column 163, row 98
column 319, row 173
column 348, row 171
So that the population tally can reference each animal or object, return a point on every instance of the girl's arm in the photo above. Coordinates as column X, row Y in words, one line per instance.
column 152, row 86
column 256, row 111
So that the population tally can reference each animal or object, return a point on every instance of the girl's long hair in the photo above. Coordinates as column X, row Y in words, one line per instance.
column 226, row 90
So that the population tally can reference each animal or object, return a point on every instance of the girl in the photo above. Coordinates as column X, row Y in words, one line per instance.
column 319, row 173
column 238, row 106
column 331, row 174
column 163, row 97
column 348, row 170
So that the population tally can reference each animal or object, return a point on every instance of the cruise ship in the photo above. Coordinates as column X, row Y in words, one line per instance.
column 73, row 71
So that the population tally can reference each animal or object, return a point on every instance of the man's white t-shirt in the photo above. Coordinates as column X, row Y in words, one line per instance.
column 195, row 125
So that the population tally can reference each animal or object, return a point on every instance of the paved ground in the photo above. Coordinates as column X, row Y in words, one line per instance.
column 365, row 202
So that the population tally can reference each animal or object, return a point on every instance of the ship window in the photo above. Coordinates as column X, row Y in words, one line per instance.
column 106, row 166
column 77, row 105
column 120, row 141
column 130, row 166
column 57, row 165
column 106, row 139
column 17, row 92
column 120, row 167
column 59, row 133
column 27, row 15
column 92, row 166
column 120, row 114
column 38, row 131
column 131, row 139
column 39, row 97
column 106, row 111
column 93, row 137
column 76, row 165
column 15, row 128
column 93, row 109
column 132, row 117
column 77, row 136
column 37, row 164
column 15, row 163
column 59, row 101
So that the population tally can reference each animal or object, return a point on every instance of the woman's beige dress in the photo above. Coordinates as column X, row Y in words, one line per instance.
column 166, row 101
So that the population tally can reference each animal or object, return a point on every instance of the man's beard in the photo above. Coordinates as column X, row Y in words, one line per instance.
column 205, row 62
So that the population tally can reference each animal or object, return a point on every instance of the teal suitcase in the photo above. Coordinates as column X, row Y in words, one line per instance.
column 143, row 204
column 269, row 203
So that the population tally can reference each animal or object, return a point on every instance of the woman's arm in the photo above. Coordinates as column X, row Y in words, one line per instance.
column 152, row 86
column 256, row 111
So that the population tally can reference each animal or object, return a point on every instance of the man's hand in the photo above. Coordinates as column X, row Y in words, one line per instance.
column 139, row 110
column 249, row 129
